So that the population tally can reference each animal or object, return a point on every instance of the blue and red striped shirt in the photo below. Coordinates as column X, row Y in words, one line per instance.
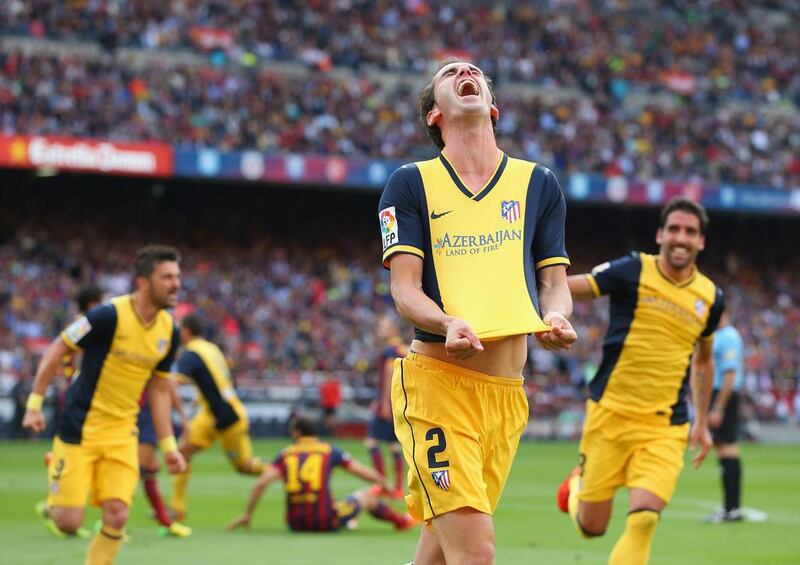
column 306, row 468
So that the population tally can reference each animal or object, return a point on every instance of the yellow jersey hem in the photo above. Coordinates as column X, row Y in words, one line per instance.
column 552, row 261
column 401, row 249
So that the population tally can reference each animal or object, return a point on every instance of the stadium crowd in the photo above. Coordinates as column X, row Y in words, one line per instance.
column 288, row 312
column 320, row 114
column 732, row 49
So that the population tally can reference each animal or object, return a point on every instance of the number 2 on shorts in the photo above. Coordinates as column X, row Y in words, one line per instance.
column 434, row 450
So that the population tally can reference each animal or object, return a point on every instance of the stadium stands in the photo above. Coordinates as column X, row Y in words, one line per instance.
column 739, row 50
column 325, row 115
column 289, row 305
column 601, row 91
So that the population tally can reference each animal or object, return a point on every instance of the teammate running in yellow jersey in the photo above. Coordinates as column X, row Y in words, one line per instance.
column 475, row 243
column 88, row 297
column 221, row 415
column 125, row 343
column 659, row 341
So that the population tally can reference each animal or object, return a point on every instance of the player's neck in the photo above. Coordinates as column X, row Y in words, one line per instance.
column 472, row 151
column 144, row 308
column 676, row 275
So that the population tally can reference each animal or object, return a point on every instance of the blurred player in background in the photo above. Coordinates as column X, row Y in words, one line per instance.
column 125, row 342
column 221, row 414
column 330, row 398
column 663, row 313
column 381, row 426
column 148, row 463
column 87, row 298
column 475, row 243
column 305, row 467
column 723, row 419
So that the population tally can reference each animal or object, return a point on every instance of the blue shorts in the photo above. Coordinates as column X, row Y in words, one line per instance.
column 381, row 429
column 147, row 431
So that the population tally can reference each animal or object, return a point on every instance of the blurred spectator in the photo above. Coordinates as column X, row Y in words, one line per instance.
column 19, row 394
column 330, row 397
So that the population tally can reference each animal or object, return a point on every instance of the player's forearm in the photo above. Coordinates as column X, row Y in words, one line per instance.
column 554, row 294
column 701, row 383
column 580, row 288
column 366, row 473
column 725, row 392
column 255, row 497
column 161, row 407
column 416, row 308
column 48, row 365
column 175, row 398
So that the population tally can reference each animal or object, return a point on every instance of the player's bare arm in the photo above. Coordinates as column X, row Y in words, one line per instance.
column 702, row 378
column 160, row 391
column 580, row 288
column 556, row 306
column 415, row 306
column 269, row 476
column 177, row 403
column 368, row 474
column 34, row 418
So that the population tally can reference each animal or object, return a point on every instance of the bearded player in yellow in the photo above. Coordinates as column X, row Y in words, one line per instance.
column 127, row 344
column 663, row 313
column 221, row 415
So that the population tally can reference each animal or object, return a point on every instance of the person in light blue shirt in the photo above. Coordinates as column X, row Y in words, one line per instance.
column 723, row 418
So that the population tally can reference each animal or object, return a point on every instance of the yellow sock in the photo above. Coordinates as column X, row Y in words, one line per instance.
column 633, row 548
column 104, row 547
column 180, row 482
column 573, row 503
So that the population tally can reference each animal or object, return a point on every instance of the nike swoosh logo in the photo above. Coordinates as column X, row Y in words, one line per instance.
column 435, row 216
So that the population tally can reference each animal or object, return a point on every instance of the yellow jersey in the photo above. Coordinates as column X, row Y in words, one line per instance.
column 480, row 251
column 654, row 325
column 120, row 354
column 206, row 366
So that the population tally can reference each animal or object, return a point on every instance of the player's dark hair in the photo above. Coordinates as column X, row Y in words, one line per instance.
column 193, row 324
column 685, row 205
column 87, row 296
column 427, row 98
column 304, row 426
column 148, row 257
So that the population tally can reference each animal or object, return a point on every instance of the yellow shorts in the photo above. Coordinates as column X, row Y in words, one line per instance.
column 109, row 471
column 618, row 451
column 459, row 430
column 235, row 439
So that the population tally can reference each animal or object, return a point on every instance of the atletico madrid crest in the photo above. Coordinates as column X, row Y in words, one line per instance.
column 442, row 479
column 510, row 210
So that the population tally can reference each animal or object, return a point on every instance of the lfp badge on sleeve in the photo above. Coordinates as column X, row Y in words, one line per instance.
column 388, row 221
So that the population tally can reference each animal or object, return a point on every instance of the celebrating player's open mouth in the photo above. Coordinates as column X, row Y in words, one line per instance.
column 468, row 87
column 679, row 254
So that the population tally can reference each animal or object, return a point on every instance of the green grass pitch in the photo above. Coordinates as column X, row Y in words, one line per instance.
column 529, row 527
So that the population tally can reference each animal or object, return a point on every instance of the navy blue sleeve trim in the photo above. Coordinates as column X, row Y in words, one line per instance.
column 715, row 314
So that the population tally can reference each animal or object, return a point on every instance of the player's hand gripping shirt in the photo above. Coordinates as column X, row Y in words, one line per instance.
column 480, row 251
column 120, row 354
column 653, row 327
